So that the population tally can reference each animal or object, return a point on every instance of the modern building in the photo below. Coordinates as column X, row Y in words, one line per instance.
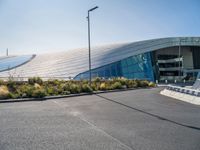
column 174, row 58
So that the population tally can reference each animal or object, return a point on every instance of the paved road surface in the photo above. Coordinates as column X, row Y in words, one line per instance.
column 138, row 119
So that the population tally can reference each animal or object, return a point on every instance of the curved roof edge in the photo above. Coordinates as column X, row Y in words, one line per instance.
column 134, row 48
column 139, row 47
column 73, row 62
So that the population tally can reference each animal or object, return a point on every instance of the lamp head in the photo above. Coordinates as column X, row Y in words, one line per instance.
column 93, row 8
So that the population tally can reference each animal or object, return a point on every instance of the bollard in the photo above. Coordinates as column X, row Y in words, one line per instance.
column 156, row 81
column 174, row 81
column 166, row 81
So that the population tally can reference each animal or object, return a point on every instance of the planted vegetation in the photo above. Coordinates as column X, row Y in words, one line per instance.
column 37, row 88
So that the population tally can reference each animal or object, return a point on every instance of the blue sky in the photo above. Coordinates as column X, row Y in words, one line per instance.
column 40, row 26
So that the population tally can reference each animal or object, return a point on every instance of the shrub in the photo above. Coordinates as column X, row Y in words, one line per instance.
column 34, row 80
column 84, row 81
column 25, row 90
column 54, row 90
column 4, row 92
column 86, row 88
column 53, row 82
column 13, row 95
column 95, row 86
column 116, row 85
column 60, row 89
column 65, row 87
column 132, row 84
column 74, row 88
column 143, row 83
column 65, row 92
column 50, row 91
column 38, row 93
column 152, row 84
column 1, row 82
column 11, row 84
column 103, row 86
column 97, row 79
column 31, row 81
column 37, row 86
column 122, row 80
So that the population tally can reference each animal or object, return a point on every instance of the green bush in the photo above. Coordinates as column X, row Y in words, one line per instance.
column 35, row 87
column 11, row 84
column 132, row 84
column 152, row 84
column 34, row 80
column 60, row 89
column 51, row 91
column 54, row 82
column 143, row 83
column 97, row 79
column 25, row 90
column 65, row 92
column 116, row 85
column 31, row 81
column 38, row 93
column 65, row 86
column 13, row 95
column 103, row 86
column 74, row 88
column 95, row 86
column 86, row 88
column 83, row 81
column 2, row 82
column 122, row 80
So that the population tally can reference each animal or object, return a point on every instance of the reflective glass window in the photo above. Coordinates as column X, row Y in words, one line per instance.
column 11, row 62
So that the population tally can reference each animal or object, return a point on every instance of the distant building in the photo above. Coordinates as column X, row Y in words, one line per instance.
column 175, row 58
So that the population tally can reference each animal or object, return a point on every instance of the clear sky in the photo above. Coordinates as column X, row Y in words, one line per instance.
column 38, row 26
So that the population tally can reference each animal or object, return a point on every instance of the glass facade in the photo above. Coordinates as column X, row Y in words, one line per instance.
column 134, row 67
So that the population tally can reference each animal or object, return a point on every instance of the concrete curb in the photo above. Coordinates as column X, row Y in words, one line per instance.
column 66, row 96
column 42, row 99
column 181, row 96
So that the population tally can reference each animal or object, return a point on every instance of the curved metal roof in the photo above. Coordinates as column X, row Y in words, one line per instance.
column 73, row 62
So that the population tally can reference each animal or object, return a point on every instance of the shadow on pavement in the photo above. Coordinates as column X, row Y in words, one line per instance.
column 150, row 114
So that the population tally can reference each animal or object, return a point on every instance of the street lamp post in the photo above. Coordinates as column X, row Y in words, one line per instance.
column 88, row 18
column 179, row 55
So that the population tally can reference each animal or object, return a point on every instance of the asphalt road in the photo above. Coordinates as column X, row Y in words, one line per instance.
column 138, row 119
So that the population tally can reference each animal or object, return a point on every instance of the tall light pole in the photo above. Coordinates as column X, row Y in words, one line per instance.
column 179, row 55
column 88, row 18
column 7, row 52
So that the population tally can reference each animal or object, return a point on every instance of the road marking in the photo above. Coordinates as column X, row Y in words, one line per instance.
column 102, row 131
column 77, row 114
column 56, row 102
